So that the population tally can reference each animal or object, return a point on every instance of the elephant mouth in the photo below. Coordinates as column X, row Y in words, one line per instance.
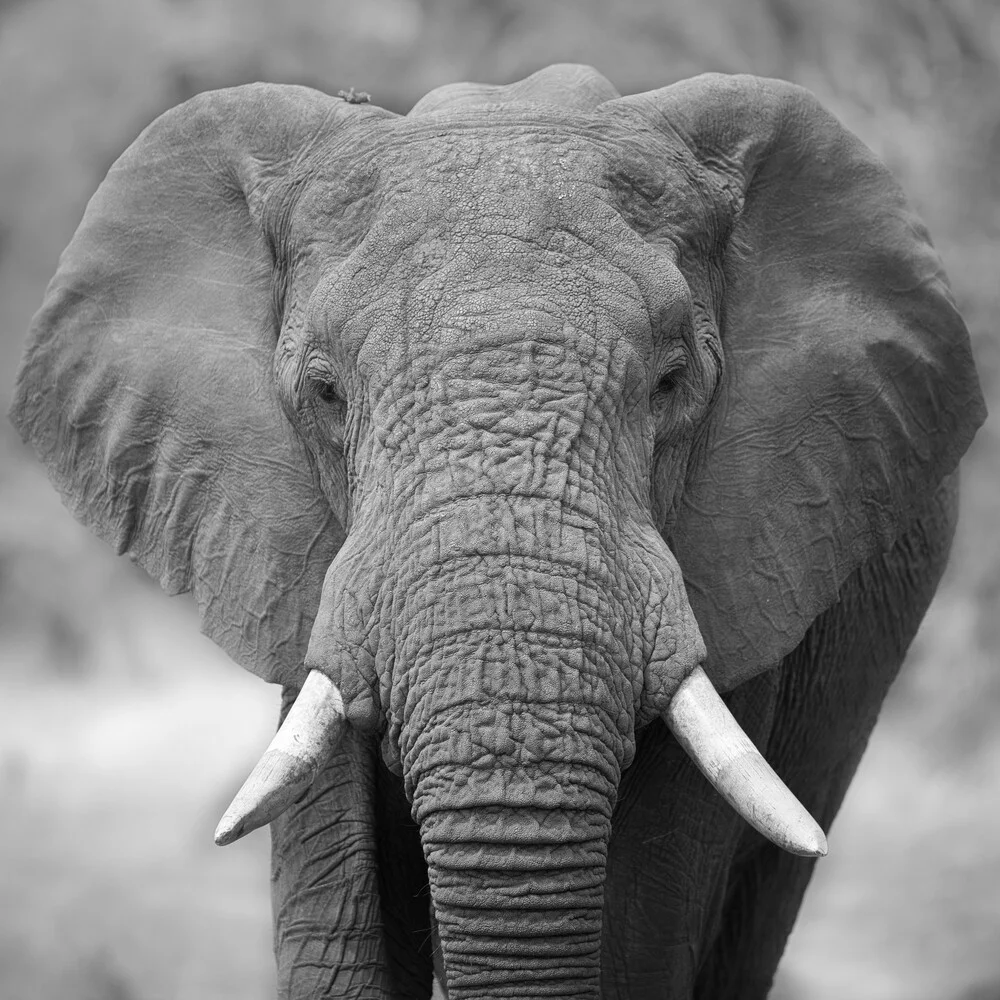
column 697, row 716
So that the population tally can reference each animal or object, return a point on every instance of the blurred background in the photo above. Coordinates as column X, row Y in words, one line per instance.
column 123, row 732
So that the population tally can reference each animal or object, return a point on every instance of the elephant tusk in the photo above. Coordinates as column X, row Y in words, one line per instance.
column 311, row 730
column 705, row 727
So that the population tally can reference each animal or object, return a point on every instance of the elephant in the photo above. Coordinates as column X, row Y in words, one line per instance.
column 580, row 466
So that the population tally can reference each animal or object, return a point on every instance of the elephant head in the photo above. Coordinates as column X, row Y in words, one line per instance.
column 511, row 421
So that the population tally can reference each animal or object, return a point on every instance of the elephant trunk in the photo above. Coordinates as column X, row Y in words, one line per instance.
column 513, row 716
column 515, row 815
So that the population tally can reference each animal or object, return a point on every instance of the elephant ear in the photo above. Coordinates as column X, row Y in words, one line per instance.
column 849, row 390
column 147, row 384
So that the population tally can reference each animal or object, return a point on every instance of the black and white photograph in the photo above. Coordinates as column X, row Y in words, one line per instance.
column 499, row 499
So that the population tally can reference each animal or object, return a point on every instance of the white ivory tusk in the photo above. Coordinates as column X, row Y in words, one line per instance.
column 705, row 727
column 311, row 731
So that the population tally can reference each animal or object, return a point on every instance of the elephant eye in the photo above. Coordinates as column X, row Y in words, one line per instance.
column 669, row 380
column 327, row 392
column 323, row 382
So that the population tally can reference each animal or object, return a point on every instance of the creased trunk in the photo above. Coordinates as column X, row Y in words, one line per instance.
column 513, row 628
column 516, row 846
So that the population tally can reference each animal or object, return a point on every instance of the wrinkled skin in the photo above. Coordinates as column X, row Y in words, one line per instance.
column 507, row 415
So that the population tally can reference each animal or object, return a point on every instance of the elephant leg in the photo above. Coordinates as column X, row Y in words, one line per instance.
column 328, row 929
column 404, row 889
column 832, row 687
column 672, row 843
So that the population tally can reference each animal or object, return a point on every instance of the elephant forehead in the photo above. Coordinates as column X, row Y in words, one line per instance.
column 463, row 256
column 523, row 177
column 491, row 294
column 494, row 143
column 501, row 227
column 548, row 179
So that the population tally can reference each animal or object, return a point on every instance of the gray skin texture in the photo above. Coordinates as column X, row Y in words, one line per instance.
column 507, row 414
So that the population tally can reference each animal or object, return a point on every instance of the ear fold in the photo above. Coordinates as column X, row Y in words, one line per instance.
column 147, row 384
column 849, row 388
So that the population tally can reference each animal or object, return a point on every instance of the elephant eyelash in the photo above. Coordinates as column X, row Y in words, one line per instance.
column 323, row 383
column 670, row 380
column 326, row 392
